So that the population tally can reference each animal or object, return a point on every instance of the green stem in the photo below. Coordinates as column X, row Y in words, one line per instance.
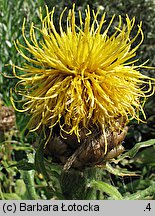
column 28, row 177
column 75, row 183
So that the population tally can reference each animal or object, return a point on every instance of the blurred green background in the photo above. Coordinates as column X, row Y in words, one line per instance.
column 16, row 144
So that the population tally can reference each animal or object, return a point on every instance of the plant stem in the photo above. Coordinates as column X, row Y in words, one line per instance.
column 28, row 177
column 75, row 183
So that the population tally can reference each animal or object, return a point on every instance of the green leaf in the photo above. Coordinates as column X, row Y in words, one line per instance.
column 146, row 157
column 107, row 188
column 131, row 153
column 53, row 167
column 142, row 194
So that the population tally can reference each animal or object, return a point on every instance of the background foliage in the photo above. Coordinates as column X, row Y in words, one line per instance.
column 21, row 181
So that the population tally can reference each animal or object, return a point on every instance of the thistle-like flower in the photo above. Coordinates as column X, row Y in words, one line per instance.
column 80, row 75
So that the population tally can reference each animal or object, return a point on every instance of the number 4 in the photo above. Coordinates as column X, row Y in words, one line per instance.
column 148, row 207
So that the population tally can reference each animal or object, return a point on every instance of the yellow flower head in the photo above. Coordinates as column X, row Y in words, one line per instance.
column 79, row 75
